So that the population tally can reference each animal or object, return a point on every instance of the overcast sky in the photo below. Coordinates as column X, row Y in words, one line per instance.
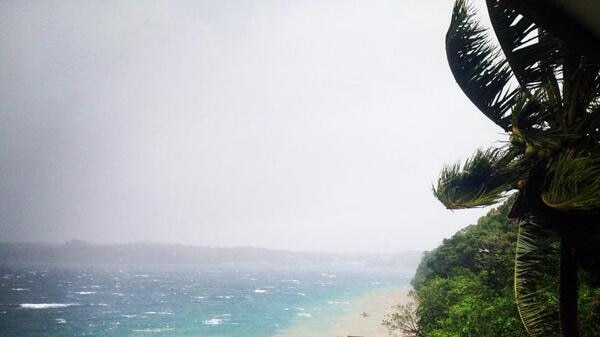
column 305, row 125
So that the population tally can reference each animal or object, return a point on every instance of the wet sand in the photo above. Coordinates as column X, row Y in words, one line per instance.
column 350, row 322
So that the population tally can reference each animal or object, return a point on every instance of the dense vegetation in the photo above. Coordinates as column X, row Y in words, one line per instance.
column 465, row 286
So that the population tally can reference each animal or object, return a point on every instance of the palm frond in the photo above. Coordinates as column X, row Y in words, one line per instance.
column 483, row 180
column 574, row 182
column 581, row 93
column 532, row 54
column 530, row 114
column 534, row 247
column 477, row 66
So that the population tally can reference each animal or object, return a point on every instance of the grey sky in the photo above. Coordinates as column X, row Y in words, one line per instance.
column 307, row 125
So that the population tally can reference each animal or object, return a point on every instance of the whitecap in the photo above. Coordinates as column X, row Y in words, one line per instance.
column 128, row 316
column 303, row 314
column 260, row 291
column 45, row 305
column 61, row 321
column 213, row 321
column 159, row 313
column 302, row 294
column 153, row 330
column 85, row 292
column 337, row 302
column 19, row 289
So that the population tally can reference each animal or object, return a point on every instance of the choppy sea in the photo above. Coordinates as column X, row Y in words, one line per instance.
column 224, row 301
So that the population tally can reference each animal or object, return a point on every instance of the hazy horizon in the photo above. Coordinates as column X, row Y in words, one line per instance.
column 312, row 126
column 163, row 243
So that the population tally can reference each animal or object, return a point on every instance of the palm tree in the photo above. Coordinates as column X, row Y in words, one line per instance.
column 547, row 99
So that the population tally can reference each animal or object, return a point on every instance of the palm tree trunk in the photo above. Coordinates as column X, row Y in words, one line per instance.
column 567, row 291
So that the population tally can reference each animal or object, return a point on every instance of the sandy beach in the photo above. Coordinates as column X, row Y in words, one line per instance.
column 351, row 322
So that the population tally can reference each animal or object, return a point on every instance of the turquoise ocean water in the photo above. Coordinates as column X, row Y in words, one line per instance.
column 224, row 301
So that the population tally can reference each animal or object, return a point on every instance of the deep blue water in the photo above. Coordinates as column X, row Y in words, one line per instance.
column 222, row 301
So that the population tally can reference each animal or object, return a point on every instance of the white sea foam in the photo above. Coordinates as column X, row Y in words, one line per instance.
column 19, row 289
column 303, row 314
column 152, row 330
column 337, row 302
column 302, row 294
column 260, row 291
column 213, row 321
column 45, row 305
column 128, row 316
column 85, row 292
column 61, row 321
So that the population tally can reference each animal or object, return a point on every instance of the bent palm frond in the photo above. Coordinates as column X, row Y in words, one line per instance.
column 533, row 249
column 483, row 180
column 574, row 182
column 529, row 116
column 532, row 54
column 477, row 66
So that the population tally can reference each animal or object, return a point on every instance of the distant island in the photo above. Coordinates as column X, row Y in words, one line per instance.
column 82, row 252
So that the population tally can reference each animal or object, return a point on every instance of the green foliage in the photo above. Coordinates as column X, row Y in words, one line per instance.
column 480, row 73
column 575, row 182
column 487, row 249
column 589, row 307
column 542, row 94
column 535, row 267
column 546, row 97
column 481, row 181
column 465, row 286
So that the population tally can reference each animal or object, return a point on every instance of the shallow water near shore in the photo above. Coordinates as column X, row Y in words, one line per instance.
column 249, row 301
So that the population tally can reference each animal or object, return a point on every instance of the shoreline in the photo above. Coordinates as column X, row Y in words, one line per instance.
column 349, row 321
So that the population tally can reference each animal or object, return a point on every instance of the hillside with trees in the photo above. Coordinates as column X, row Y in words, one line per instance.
column 465, row 286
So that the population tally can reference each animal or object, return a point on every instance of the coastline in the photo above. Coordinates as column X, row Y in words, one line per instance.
column 349, row 321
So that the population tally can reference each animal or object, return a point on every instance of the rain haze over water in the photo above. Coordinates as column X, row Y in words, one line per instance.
column 300, row 125
column 220, row 168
